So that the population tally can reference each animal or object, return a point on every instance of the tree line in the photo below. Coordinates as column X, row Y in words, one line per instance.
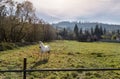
column 19, row 23
column 93, row 34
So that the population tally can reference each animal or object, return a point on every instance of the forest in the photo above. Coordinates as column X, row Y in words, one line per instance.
column 19, row 23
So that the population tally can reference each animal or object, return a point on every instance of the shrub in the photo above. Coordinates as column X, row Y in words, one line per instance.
column 7, row 46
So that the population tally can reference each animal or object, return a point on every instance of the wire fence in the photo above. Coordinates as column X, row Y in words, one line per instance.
column 24, row 71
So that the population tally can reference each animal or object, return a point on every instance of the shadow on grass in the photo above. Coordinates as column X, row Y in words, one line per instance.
column 40, row 62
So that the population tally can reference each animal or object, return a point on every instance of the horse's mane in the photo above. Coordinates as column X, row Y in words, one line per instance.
column 41, row 43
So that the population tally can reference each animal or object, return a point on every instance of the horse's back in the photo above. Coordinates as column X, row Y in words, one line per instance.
column 47, row 47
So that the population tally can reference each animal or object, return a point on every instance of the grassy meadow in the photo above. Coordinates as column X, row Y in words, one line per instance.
column 64, row 54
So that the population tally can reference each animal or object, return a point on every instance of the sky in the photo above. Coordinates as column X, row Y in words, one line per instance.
column 105, row 11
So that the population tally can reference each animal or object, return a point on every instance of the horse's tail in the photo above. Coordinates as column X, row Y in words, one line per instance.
column 48, row 48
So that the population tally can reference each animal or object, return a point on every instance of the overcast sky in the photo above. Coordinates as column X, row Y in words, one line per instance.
column 106, row 11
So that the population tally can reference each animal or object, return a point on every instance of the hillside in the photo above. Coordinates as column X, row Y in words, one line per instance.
column 64, row 54
column 85, row 25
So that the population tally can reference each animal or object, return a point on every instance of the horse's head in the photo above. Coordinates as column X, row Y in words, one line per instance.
column 40, row 42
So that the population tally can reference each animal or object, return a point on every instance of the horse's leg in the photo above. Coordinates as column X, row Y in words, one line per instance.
column 38, row 55
column 44, row 56
column 41, row 55
column 48, row 54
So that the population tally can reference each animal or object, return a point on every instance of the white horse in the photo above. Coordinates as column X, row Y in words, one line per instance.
column 44, row 48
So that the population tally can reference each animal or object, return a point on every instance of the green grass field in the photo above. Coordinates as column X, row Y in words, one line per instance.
column 64, row 54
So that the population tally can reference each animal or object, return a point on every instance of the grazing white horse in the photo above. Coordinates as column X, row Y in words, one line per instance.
column 44, row 48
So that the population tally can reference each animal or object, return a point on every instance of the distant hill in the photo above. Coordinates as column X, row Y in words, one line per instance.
column 85, row 25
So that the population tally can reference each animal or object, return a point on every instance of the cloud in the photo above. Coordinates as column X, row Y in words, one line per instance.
column 75, row 7
column 71, row 9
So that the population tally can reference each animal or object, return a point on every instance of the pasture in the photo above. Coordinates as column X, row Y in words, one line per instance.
column 64, row 54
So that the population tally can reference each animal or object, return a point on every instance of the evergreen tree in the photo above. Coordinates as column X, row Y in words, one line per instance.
column 76, row 30
column 81, row 31
column 96, row 32
column 92, row 31
column 64, row 33
column 118, row 31
column 101, row 30
column 87, row 32
column 104, row 31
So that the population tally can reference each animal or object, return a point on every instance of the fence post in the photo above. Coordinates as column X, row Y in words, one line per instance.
column 24, row 68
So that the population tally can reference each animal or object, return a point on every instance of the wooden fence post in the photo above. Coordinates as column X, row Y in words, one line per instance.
column 24, row 68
